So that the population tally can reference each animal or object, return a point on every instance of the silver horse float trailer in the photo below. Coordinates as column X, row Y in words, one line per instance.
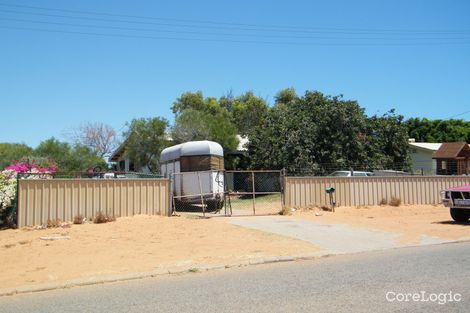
column 196, row 169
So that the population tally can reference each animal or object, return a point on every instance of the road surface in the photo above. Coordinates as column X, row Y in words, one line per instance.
column 347, row 283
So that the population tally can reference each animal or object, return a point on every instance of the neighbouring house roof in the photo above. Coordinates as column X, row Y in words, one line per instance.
column 431, row 146
column 117, row 154
column 451, row 150
column 191, row 148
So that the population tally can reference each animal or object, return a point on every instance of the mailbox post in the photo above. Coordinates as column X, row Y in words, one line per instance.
column 331, row 192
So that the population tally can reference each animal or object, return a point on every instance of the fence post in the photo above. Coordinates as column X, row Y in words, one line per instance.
column 17, row 206
column 253, row 190
column 202, row 197
column 171, row 201
column 282, row 179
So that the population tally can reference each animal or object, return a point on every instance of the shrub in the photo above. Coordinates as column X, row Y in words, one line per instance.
column 53, row 223
column 383, row 201
column 78, row 219
column 395, row 201
column 101, row 217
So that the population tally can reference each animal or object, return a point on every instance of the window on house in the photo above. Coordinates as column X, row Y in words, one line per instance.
column 444, row 165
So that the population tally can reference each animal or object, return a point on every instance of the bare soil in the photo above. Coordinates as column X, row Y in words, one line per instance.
column 132, row 244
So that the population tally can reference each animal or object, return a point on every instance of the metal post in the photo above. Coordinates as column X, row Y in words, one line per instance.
column 282, row 178
column 253, row 184
column 202, row 197
column 17, row 204
column 171, row 195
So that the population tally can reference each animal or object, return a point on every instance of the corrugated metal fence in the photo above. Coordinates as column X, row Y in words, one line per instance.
column 41, row 200
column 352, row 191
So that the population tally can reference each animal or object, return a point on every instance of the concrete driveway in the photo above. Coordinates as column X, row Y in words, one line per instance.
column 332, row 238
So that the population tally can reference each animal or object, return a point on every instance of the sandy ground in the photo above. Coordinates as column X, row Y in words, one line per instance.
column 146, row 243
column 410, row 221
column 132, row 244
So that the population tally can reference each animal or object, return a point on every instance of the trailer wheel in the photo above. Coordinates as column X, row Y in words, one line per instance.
column 215, row 205
column 460, row 215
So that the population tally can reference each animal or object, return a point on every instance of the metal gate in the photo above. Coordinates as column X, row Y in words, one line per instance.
column 229, row 193
column 253, row 192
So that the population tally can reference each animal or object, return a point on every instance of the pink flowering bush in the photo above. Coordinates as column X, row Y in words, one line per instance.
column 8, row 183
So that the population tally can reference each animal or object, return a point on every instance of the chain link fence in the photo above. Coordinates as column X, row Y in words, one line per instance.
column 230, row 193
column 254, row 192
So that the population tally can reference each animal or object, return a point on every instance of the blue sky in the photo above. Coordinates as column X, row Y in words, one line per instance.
column 409, row 55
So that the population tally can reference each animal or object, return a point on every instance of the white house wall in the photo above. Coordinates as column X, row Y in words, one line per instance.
column 422, row 161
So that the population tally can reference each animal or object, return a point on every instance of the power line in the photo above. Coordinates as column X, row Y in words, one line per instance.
column 463, row 113
column 225, row 34
column 230, row 41
column 233, row 26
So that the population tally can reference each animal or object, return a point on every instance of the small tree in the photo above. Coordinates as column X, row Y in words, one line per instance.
column 146, row 138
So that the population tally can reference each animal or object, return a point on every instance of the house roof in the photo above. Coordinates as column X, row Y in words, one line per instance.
column 450, row 150
column 431, row 146
column 117, row 154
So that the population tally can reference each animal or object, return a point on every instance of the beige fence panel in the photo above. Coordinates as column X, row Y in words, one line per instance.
column 41, row 200
column 352, row 191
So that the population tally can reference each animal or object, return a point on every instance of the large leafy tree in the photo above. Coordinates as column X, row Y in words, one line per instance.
column 388, row 142
column 318, row 134
column 199, row 118
column 10, row 152
column 145, row 139
column 248, row 112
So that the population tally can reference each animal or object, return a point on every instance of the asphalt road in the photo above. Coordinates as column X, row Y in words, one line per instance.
column 347, row 283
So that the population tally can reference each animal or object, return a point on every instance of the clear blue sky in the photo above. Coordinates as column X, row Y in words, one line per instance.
column 408, row 55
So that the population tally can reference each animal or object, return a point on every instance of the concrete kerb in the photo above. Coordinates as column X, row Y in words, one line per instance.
column 182, row 270
column 159, row 272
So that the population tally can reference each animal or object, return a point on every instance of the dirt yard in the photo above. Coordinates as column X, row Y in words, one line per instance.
column 146, row 243
column 411, row 221
column 132, row 244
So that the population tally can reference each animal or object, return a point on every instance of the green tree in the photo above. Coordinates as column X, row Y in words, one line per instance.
column 199, row 118
column 319, row 134
column 426, row 130
column 196, row 125
column 388, row 142
column 146, row 138
column 10, row 152
column 248, row 111
column 68, row 158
